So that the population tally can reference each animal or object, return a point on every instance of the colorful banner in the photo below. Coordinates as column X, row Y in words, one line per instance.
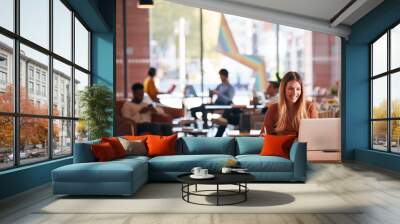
column 227, row 46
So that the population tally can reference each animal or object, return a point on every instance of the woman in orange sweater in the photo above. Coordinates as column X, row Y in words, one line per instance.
column 284, row 117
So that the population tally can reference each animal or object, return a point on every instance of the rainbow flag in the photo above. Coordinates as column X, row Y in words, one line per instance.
column 228, row 47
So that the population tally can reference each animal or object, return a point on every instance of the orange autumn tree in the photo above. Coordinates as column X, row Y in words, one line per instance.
column 33, row 130
column 6, row 122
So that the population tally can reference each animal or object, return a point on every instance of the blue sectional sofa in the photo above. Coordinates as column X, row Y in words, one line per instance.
column 125, row 176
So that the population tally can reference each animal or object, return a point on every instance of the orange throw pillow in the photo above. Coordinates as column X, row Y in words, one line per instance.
column 116, row 145
column 277, row 145
column 161, row 145
column 103, row 152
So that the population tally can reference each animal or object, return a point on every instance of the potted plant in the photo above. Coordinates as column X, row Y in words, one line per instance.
column 96, row 104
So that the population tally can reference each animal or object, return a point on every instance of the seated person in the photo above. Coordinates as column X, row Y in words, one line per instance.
column 230, row 116
column 224, row 92
column 271, row 94
column 284, row 117
column 150, row 86
column 140, row 110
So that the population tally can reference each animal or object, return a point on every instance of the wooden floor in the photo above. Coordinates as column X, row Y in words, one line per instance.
column 378, row 189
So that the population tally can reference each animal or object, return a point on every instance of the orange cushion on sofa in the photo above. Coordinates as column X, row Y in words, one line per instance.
column 116, row 145
column 161, row 145
column 103, row 152
column 277, row 145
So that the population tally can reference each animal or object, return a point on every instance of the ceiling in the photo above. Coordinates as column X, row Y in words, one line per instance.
column 327, row 16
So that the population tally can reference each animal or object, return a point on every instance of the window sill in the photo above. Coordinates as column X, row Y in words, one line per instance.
column 26, row 167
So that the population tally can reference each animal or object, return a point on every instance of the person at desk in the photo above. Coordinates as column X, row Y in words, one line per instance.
column 150, row 86
column 283, row 118
column 224, row 92
column 271, row 94
column 140, row 110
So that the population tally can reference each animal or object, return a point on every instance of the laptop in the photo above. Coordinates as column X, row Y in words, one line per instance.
column 322, row 134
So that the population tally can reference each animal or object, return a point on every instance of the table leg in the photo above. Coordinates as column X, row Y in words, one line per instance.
column 182, row 190
column 196, row 188
column 188, row 192
column 245, row 193
column 217, row 194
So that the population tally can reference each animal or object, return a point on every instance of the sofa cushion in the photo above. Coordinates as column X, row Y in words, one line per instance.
column 161, row 145
column 134, row 147
column 249, row 145
column 112, row 171
column 185, row 163
column 277, row 145
column 204, row 145
column 257, row 163
column 116, row 145
column 103, row 152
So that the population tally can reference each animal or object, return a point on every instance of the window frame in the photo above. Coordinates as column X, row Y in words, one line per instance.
column 16, row 114
column 388, row 74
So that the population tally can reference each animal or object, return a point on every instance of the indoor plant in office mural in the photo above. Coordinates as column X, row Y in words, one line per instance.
column 96, row 104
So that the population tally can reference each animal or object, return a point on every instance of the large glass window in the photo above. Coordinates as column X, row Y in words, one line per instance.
column 395, row 47
column 379, row 56
column 33, row 140
column 81, row 45
column 35, row 21
column 175, row 50
column 6, row 74
column 40, row 62
column 385, row 97
column 253, row 51
column 81, row 81
column 379, row 133
column 395, row 94
column 395, row 136
column 6, row 142
column 62, row 89
column 43, row 112
column 62, row 29
column 379, row 97
column 7, row 14
column 62, row 137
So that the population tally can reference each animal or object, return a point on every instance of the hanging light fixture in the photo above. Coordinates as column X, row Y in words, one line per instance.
column 145, row 4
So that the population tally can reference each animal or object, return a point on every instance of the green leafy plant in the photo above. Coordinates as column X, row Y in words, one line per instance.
column 96, row 103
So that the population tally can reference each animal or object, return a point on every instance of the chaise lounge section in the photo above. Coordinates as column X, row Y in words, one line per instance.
column 88, row 177
column 125, row 176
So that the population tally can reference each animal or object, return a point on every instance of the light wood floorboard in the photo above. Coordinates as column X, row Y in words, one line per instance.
column 376, row 189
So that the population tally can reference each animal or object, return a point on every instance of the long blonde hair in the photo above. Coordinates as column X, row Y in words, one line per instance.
column 300, row 106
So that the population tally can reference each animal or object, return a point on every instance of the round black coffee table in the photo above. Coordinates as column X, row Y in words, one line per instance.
column 238, row 179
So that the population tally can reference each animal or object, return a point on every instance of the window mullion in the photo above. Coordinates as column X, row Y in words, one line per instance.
column 371, row 98
column 16, row 85
column 389, row 101
column 50, row 81
column 73, row 82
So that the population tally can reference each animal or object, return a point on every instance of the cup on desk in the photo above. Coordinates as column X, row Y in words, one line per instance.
column 203, row 172
column 196, row 171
